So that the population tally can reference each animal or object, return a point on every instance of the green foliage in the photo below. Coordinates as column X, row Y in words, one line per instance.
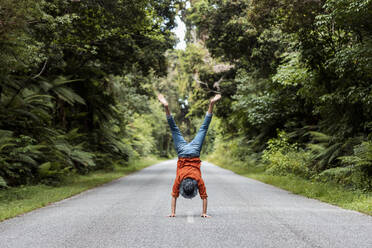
column 19, row 157
column 283, row 158
column 303, row 67
column 237, row 149
column 3, row 183
column 325, row 150
column 292, row 72
column 362, row 157
column 188, row 87
column 358, row 167
column 343, row 175
column 75, row 79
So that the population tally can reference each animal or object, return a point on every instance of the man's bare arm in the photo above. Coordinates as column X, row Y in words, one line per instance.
column 165, row 103
column 174, row 200
column 205, row 204
column 212, row 102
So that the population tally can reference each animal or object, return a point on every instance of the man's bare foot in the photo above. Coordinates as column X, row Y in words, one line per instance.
column 162, row 100
column 205, row 216
column 216, row 98
column 172, row 215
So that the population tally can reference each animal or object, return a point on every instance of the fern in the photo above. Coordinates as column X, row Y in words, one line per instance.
column 320, row 137
column 3, row 182
column 19, row 157
column 362, row 157
column 325, row 149
column 357, row 168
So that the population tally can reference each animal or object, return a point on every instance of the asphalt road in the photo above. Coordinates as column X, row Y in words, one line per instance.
column 131, row 212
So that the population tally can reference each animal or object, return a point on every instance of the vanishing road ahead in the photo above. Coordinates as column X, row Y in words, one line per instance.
column 131, row 212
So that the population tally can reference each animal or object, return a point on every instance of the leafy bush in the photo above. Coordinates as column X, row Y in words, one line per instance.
column 283, row 158
column 237, row 148
column 19, row 158
column 358, row 168
column 325, row 149
column 347, row 176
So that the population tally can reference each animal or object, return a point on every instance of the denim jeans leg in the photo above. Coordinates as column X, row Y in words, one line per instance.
column 199, row 138
column 178, row 139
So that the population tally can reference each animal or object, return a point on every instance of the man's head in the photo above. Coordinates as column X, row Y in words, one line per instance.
column 189, row 188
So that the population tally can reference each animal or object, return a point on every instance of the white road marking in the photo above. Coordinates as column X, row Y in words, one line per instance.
column 190, row 217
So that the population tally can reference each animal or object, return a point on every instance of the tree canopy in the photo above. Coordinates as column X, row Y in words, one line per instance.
column 302, row 67
column 75, row 78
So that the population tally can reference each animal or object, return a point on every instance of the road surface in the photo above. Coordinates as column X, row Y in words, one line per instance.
column 131, row 212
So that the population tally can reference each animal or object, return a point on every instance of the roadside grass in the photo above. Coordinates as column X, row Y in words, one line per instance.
column 19, row 200
column 327, row 192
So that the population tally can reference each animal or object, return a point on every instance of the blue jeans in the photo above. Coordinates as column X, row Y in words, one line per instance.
column 192, row 149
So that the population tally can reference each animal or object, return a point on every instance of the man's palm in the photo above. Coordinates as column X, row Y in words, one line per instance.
column 216, row 98
column 162, row 100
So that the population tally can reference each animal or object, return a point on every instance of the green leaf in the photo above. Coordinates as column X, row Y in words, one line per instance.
column 3, row 182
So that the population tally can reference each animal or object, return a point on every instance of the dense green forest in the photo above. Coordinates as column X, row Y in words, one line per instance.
column 78, row 80
column 298, row 96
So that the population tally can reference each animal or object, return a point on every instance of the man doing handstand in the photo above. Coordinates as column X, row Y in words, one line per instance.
column 188, row 179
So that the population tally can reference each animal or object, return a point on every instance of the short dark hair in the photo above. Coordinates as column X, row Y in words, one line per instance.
column 189, row 188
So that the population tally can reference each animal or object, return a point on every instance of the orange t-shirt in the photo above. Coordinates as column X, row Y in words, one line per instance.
column 189, row 167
